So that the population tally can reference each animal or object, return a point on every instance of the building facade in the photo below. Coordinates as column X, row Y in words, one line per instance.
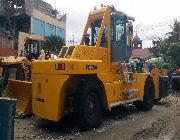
column 6, row 46
column 33, row 17
column 44, row 25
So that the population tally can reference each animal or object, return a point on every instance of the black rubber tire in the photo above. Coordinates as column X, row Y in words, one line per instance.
column 156, row 101
column 148, row 99
column 88, row 105
column 138, row 105
column 175, row 84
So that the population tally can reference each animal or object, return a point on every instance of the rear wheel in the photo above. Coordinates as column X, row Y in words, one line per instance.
column 148, row 99
column 156, row 101
column 88, row 106
column 175, row 84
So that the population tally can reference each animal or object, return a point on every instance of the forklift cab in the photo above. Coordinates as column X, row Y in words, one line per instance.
column 121, row 33
column 122, row 37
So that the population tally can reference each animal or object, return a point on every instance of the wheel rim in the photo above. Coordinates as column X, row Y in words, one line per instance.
column 91, row 106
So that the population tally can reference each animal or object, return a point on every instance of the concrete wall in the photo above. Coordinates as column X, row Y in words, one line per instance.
column 40, row 5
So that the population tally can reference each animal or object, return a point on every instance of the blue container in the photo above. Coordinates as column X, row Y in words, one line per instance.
column 7, row 114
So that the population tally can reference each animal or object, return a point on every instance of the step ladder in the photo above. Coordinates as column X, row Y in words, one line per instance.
column 112, row 105
column 130, row 78
column 130, row 93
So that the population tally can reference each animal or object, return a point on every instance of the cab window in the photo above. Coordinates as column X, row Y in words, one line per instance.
column 120, row 31
column 96, row 33
column 104, row 39
column 92, row 33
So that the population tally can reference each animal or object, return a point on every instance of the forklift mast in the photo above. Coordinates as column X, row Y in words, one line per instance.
column 111, row 29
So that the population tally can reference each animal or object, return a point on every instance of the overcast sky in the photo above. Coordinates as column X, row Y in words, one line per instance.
column 152, row 16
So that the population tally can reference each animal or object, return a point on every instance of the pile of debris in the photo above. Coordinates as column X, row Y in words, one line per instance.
column 11, row 59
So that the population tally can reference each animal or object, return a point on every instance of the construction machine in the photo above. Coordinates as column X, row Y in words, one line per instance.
column 14, row 79
column 94, row 75
column 16, row 75
column 33, row 47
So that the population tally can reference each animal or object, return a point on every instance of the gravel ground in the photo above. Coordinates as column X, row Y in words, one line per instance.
column 162, row 122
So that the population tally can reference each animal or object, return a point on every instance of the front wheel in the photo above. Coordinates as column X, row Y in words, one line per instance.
column 88, row 106
column 148, row 99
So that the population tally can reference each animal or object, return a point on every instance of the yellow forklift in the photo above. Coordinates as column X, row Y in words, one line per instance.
column 94, row 75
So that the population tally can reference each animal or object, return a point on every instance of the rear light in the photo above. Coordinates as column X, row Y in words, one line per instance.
column 60, row 66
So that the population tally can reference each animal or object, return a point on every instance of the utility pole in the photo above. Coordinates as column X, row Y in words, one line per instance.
column 73, row 39
column 55, row 5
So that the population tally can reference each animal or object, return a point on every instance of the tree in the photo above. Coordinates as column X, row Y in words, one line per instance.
column 174, row 53
column 9, row 8
column 169, row 46
column 157, row 47
column 174, row 35
column 53, row 43
column 172, row 44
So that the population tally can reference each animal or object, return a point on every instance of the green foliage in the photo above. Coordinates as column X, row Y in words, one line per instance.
column 157, row 47
column 174, row 36
column 53, row 43
column 8, row 7
column 174, row 53
column 169, row 47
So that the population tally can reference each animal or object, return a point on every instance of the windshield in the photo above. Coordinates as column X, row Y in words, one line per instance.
column 92, row 33
column 119, row 30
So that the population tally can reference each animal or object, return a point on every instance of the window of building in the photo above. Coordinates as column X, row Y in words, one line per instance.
column 63, row 33
column 50, row 29
column 60, row 32
column 10, row 44
column 3, row 42
column 0, row 41
column 38, row 27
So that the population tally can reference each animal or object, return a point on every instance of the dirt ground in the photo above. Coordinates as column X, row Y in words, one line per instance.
column 126, row 123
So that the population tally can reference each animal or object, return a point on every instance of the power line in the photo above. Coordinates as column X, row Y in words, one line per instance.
column 157, row 26
column 155, row 30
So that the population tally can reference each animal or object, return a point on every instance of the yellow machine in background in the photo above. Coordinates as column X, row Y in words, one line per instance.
column 13, row 77
column 19, row 85
column 94, row 75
